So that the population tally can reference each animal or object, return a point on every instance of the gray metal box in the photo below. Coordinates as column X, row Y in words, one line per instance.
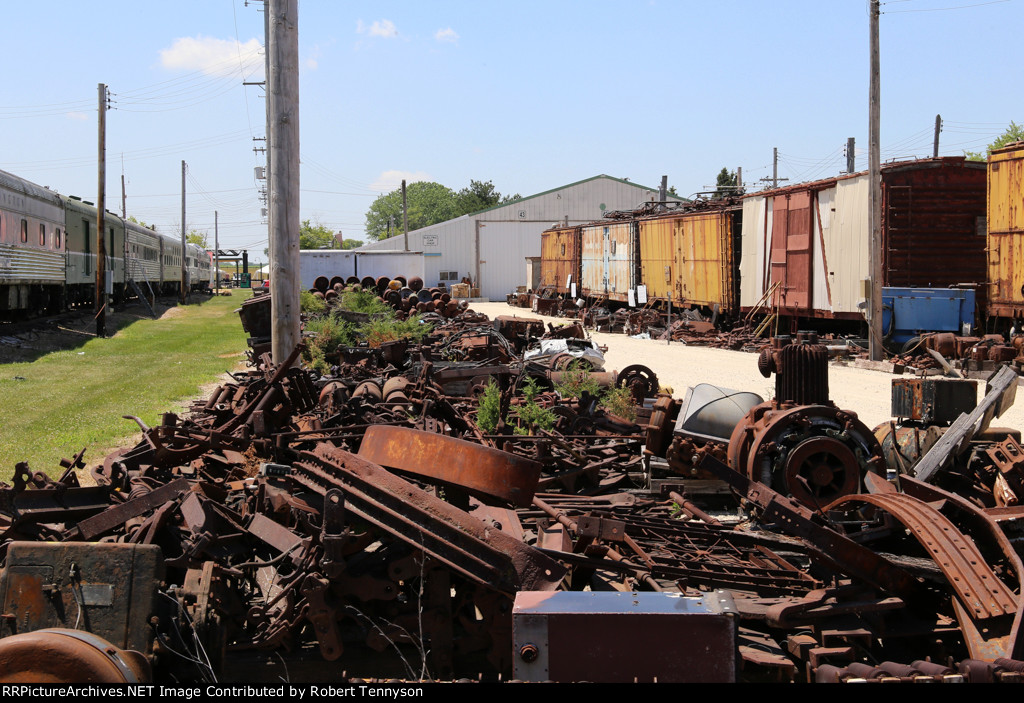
column 610, row 637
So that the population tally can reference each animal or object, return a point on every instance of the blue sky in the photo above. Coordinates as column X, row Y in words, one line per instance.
column 529, row 95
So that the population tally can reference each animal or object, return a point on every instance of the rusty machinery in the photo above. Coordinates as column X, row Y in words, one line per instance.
column 800, row 442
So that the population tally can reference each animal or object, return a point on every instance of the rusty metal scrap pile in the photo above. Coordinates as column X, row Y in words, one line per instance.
column 362, row 524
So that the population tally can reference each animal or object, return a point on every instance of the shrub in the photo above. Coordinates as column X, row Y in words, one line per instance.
column 530, row 416
column 490, row 408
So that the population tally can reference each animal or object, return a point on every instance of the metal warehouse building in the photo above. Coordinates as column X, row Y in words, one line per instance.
column 491, row 246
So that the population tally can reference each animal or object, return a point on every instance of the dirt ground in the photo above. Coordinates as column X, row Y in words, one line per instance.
column 866, row 392
column 28, row 340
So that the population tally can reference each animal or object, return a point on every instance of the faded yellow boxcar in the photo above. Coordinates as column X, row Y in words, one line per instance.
column 1005, row 219
column 691, row 257
column 560, row 259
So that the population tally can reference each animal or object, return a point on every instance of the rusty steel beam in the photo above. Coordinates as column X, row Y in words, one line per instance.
column 478, row 551
column 478, row 469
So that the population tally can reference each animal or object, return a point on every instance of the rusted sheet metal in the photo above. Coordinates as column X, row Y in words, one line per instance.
column 932, row 223
column 108, row 589
column 478, row 469
column 488, row 556
column 1005, row 220
column 560, row 258
column 609, row 259
column 625, row 637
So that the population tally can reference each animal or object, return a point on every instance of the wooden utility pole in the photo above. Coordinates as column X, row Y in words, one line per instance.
column 405, row 216
column 124, row 200
column 851, row 155
column 875, row 183
column 283, row 130
column 216, row 253
column 938, row 128
column 101, row 197
column 184, row 267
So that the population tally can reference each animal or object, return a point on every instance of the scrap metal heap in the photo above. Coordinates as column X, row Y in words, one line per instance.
column 363, row 524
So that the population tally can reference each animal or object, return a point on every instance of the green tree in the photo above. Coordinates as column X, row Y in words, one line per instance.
column 200, row 239
column 428, row 202
column 316, row 235
column 1013, row 133
column 351, row 243
column 726, row 183
column 480, row 195
column 672, row 191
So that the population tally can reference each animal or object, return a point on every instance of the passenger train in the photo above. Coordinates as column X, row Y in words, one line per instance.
column 48, row 258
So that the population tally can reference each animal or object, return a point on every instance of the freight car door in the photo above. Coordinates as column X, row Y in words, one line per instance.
column 791, row 253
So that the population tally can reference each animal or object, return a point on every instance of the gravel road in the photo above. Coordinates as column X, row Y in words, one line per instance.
column 865, row 392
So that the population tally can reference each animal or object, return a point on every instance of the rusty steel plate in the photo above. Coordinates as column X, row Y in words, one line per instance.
column 478, row 469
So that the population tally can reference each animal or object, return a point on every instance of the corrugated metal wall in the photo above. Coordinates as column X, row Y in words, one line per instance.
column 510, row 233
column 848, row 244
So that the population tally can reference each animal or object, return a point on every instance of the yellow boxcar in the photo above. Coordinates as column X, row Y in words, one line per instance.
column 1005, row 220
column 560, row 259
column 691, row 258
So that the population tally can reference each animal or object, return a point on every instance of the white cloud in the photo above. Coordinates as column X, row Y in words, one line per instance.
column 313, row 60
column 379, row 28
column 214, row 57
column 446, row 35
column 388, row 181
column 77, row 115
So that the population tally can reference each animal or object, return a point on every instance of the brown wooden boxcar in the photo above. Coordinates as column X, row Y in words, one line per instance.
column 560, row 259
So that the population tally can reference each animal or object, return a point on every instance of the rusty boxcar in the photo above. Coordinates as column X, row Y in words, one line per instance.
column 807, row 247
column 690, row 256
column 610, row 259
column 1005, row 217
column 560, row 259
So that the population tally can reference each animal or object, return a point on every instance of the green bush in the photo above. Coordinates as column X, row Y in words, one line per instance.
column 530, row 416
column 619, row 401
column 309, row 303
column 576, row 381
column 490, row 408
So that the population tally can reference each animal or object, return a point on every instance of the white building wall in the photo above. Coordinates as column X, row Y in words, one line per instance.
column 510, row 233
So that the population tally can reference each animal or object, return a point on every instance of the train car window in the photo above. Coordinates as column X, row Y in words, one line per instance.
column 56, row 237
column 88, row 246
column 42, row 234
column 24, row 230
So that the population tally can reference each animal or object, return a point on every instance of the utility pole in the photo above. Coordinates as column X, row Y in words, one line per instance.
column 938, row 128
column 405, row 216
column 283, row 131
column 663, row 190
column 851, row 157
column 124, row 201
column 184, row 268
column 101, row 197
column 216, row 253
column 739, row 179
column 875, row 184
column 775, row 169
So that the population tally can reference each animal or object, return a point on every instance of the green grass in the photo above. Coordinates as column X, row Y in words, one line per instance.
column 61, row 402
